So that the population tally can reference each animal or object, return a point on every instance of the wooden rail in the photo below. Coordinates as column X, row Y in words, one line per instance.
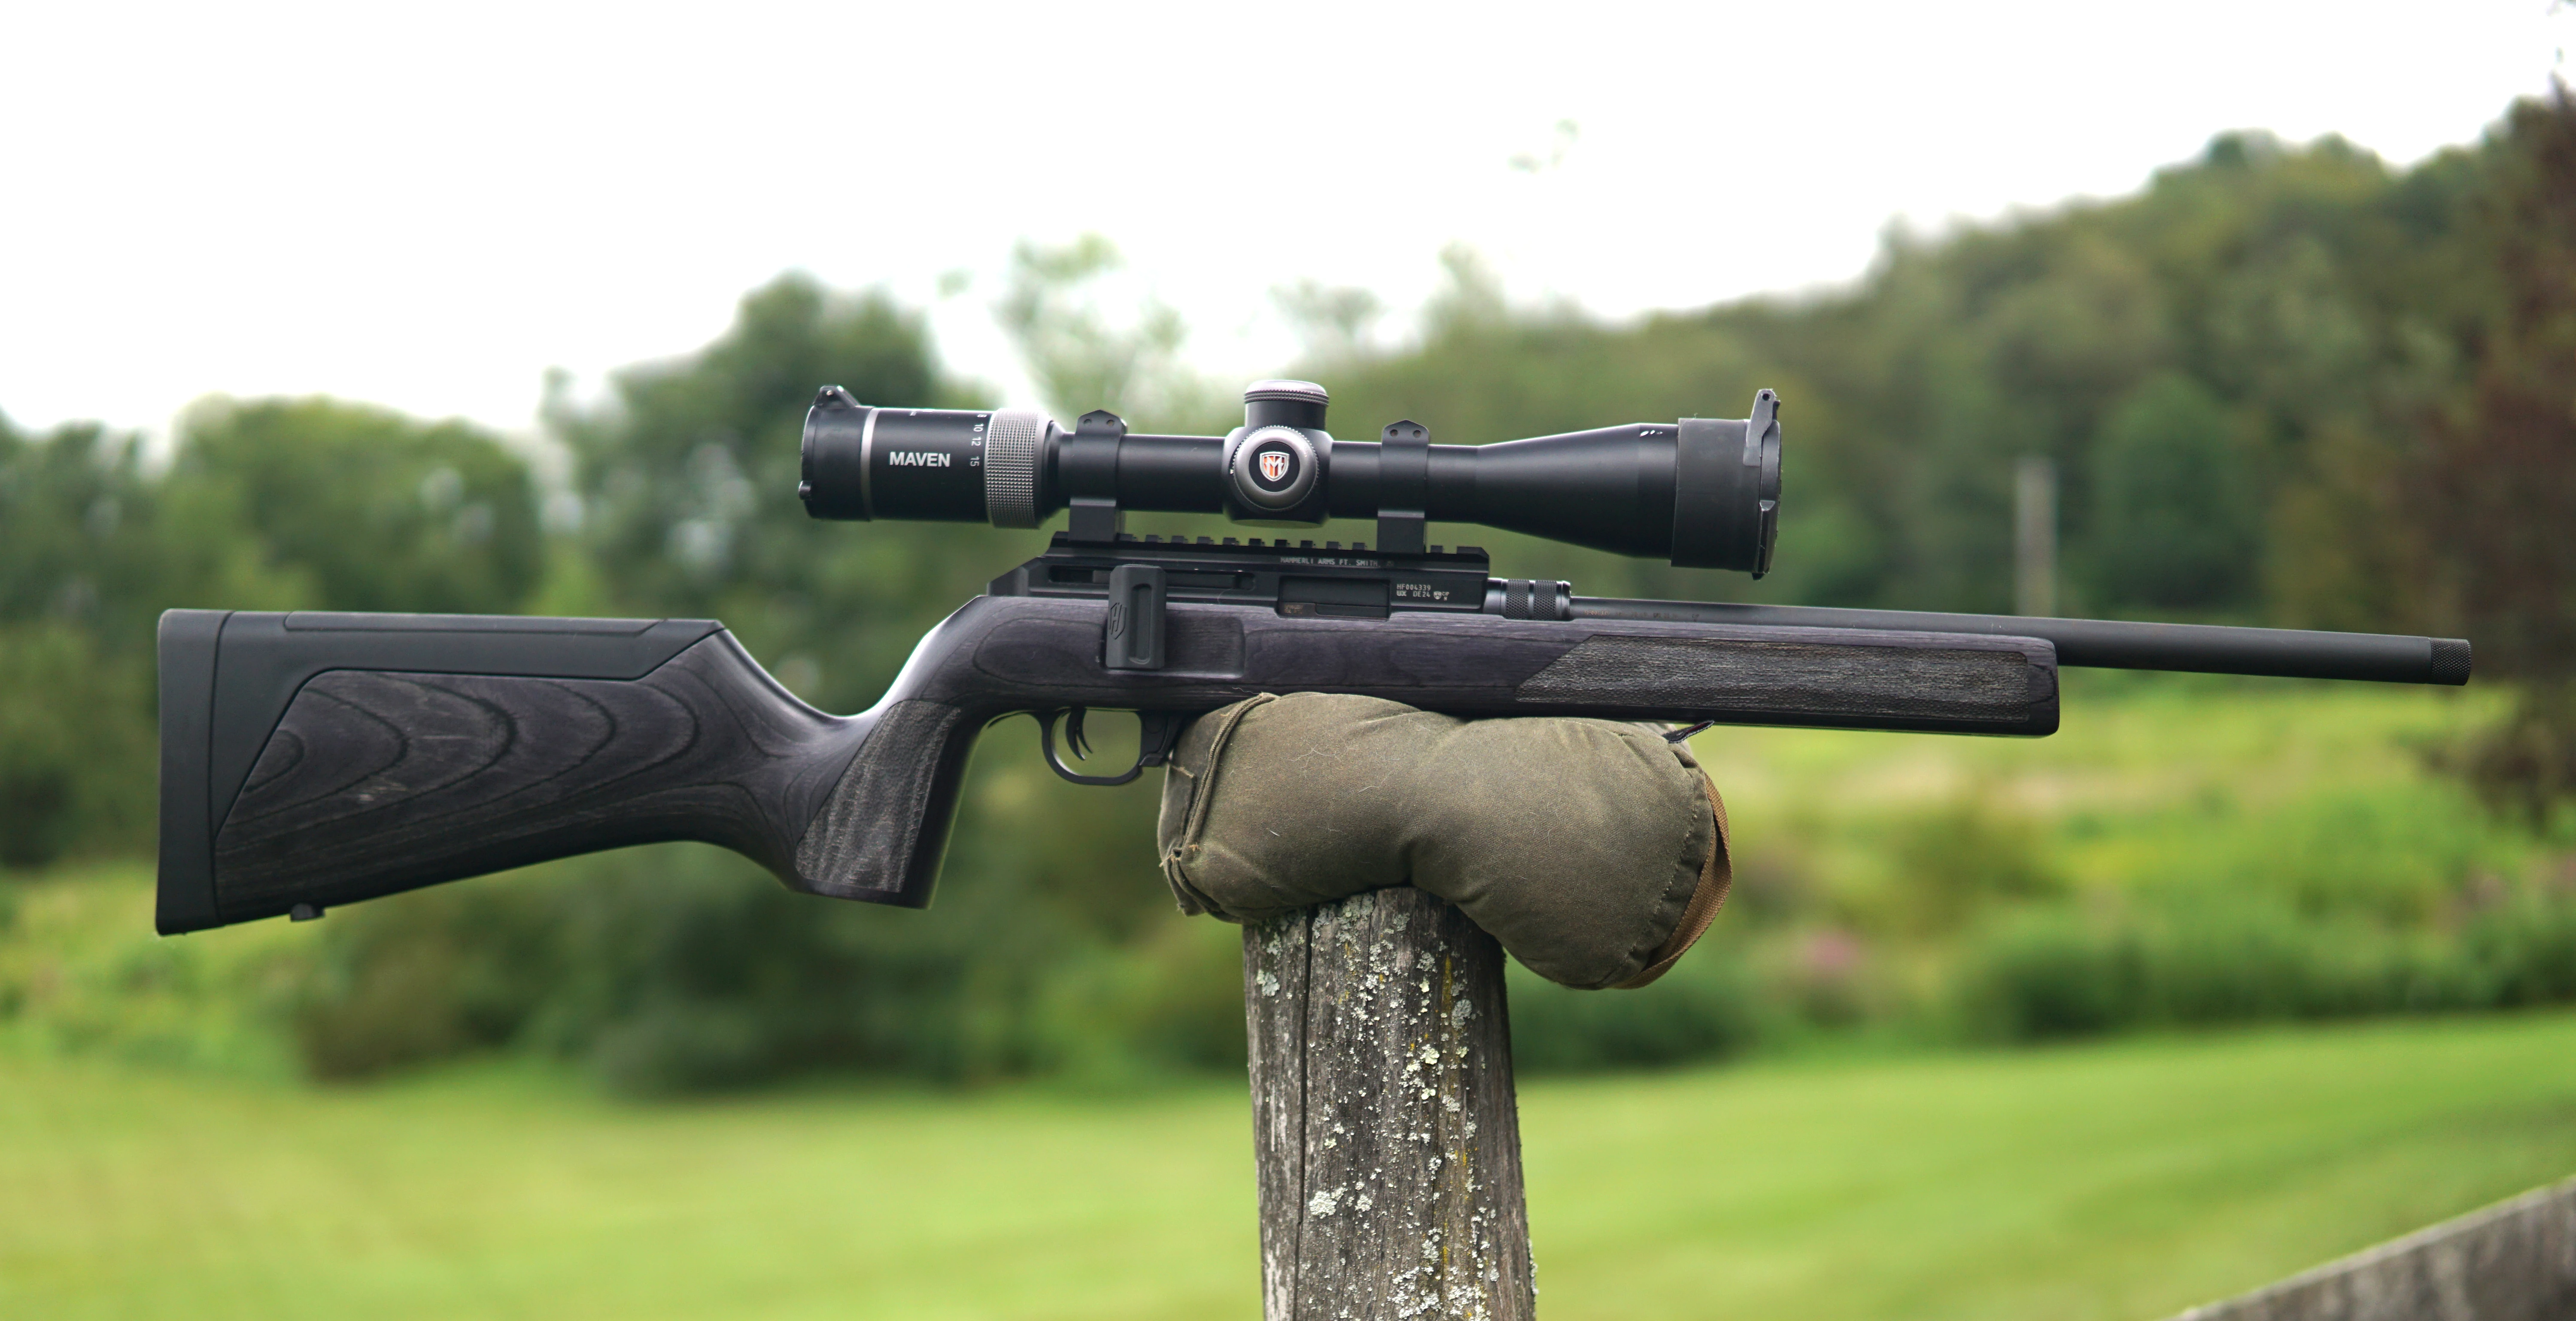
column 2514, row 1261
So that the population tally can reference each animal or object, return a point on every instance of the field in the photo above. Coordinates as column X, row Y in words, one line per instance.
column 161, row 1154
column 2114, row 1181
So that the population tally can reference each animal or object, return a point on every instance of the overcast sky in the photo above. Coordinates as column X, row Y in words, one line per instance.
column 427, row 206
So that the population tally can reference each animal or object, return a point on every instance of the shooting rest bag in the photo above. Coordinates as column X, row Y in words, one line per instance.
column 1595, row 851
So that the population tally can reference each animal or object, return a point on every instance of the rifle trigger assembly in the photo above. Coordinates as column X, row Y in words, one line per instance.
column 1157, row 734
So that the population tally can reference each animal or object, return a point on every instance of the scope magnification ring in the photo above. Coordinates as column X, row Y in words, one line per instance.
column 1273, row 468
column 1011, row 442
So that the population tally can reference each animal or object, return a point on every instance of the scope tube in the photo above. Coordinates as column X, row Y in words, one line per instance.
column 1703, row 492
column 2109, row 644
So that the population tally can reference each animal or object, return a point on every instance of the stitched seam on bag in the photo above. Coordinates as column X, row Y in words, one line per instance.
column 1714, row 886
column 1191, row 902
column 1202, row 793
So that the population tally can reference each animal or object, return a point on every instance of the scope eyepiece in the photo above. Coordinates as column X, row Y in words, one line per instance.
column 1703, row 492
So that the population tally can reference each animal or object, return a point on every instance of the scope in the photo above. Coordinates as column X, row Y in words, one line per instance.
column 1704, row 492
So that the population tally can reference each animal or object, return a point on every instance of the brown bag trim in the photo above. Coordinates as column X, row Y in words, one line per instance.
column 1715, row 879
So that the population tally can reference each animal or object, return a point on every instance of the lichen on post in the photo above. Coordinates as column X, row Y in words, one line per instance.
column 1384, row 1122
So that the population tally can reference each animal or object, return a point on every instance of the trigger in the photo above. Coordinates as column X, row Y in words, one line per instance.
column 1073, row 738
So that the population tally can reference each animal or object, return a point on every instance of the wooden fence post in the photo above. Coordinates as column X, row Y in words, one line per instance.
column 1383, row 1117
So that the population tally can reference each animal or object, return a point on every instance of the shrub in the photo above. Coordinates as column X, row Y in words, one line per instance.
column 2524, row 951
column 2247, row 963
column 1706, row 1008
column 75, row 759
column 429, row 975
column 1954, row 860
column 2050, row 973
column 684, row 969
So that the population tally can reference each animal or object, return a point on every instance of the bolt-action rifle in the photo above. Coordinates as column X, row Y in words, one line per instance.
column 311, row 759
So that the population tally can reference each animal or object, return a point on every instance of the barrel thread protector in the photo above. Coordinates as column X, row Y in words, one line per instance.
column 2450, row 662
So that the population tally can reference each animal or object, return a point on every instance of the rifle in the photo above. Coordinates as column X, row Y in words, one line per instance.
column 311, row 759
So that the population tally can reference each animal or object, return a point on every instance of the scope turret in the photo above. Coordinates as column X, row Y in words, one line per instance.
column 1703, row 492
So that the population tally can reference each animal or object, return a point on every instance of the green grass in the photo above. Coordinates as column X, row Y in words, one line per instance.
column 160, row 1158
column 2124, row 1180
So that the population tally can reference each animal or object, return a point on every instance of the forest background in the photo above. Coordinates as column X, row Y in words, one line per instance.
column 2283, row 384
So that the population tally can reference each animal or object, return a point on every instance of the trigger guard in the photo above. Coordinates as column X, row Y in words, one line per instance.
column 1046, row 748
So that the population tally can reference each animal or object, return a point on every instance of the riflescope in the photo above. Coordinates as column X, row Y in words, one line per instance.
column 1704, row 492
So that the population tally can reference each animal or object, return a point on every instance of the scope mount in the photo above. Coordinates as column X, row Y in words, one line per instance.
column 1272, row 467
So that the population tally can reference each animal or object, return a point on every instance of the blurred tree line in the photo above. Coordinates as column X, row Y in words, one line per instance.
column 2282, row 385
column 2263, row 382
column 272, row 504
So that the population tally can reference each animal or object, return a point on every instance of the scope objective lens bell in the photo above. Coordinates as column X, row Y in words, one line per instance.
column 1703, row 492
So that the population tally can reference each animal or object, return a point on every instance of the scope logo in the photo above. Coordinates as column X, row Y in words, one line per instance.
column 1274, row 467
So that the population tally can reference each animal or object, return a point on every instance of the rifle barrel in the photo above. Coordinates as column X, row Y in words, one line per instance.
column 2110, row 644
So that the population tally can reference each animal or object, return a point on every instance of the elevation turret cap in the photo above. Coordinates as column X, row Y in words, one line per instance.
column 1286, row 392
